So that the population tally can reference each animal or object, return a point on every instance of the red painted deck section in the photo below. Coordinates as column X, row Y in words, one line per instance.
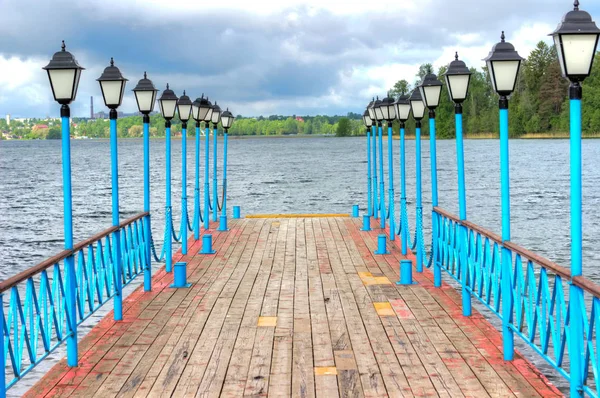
column 294, row 307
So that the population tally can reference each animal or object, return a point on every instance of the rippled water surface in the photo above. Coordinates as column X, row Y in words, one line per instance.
column 279, row 175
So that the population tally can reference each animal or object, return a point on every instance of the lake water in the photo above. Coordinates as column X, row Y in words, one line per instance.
column 279, row 175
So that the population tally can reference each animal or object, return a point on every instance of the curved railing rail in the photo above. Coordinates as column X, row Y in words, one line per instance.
column 538, row 293
column 36, row 319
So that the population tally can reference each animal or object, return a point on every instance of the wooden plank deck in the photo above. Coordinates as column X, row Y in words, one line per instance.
column 294, row 307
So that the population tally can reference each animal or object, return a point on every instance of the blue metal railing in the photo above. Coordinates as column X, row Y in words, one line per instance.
column 541, row 310
column 36, row 319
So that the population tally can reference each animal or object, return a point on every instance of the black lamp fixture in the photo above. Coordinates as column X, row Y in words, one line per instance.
column 431, row 90
column 417, row 106
column 227, row 119
column 378, row 112
column 64, row 73
column 216, row 115
column 367, row 120
column 503, row 65
column 184, row 109
column 209, row 111
column 576, row 39
column 168, row 103
column 145, row 96
column 458, row 77
column 403, row 109
column 112, row 84
column 371, row 110
column 388, row 109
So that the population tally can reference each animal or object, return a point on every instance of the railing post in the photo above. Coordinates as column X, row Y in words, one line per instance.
column 403, row 210
column 419, row 196
column 576, row 301
column 375, row 200
column 71, row 287
column 369, row 177
column 148, row 269
column 506, row 284
column 215, row 190
column 197, row 185
column 168, row 215
column 206, row 184
column 184, row 220
column 224, row 208
column 381, row 180
column 391, row 181
column 118, row 300
column 437, row 270
column 462, row 204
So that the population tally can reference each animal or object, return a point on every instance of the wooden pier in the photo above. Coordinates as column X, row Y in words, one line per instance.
column 294, row 307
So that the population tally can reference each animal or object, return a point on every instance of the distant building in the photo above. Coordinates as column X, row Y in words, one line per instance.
column 299, row 119
column 8, row 119
column 39, row 127
column 91, row 107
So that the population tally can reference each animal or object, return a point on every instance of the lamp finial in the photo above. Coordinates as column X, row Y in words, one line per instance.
column 502, row 37
column 456, row 55
column 145, row 77
column 112, row 61
column 576, row 5
column 63, row 47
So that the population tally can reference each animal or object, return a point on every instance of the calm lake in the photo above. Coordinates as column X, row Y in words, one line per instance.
column 279, row 175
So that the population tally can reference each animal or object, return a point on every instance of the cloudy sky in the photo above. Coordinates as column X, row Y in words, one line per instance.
column 257, row 57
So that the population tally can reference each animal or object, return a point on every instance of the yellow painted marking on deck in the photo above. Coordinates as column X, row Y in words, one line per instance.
column 267, row 321
column 325, row 370
column 365, row 275
column 384, row 309
column 381, row 280
column 368, row 279
column 308, row 215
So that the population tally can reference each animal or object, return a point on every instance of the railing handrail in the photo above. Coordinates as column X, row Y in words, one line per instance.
column 580, row 281
column 24, row 275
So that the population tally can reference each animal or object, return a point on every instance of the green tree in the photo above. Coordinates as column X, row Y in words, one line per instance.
column 54, row 134
column 344, row 128
column 400, row 88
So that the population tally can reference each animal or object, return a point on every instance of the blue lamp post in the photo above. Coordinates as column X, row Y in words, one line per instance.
column 168, row 104
column 403, row 113
column 184, row 109
column 379, row 119
column 371, row 110
column 368, row 125
column 64, row 73
column 503, row 65
column 145, row 96
column 431, row 90
column 458, row 77
column 215, row 118
column 576, row 39
column 388, row 111
column 418, row 111
column 227, row 119
column 204, row 114
column 112, row 84
column 198, row 118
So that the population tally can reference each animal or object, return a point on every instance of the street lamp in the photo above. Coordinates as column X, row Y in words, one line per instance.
column 145, row 96
column 368, row 125
column 198, row 118
column 215, row 118
column 184, row 109
column 576, row 38
column 503, row 64
column 379, row 119
column 227, row 119
column 112, row 84
column 371, row 111
column 458, row 77
column 168, row 103
column 63, row 73
column 388, row 112
column 418, row 111
column 205, row 113
column 403, row 113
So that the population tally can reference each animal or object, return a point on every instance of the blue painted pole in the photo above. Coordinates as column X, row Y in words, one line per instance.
column 114, row 162
column 419, row 196
column 168, row 215
column 206, row 184
column 2, row 350
column 437, row 270
column 369, row 177
column 65, row 114
column 403, row 215
column 184, row 230
column 215, row 190
column 148, row 269
column 375, row 201
column 224, row 208
column 381, row 180
column 506, row 284
column 577, row 305
column 391, row 181
column 462, row 204
column 197, row 185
